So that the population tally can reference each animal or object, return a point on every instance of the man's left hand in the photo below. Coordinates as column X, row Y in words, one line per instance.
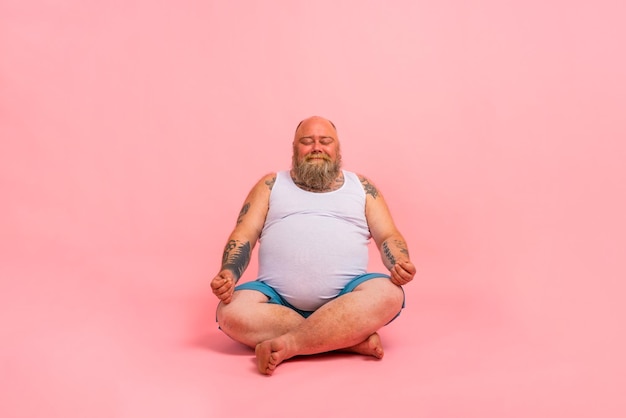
column 402, row 272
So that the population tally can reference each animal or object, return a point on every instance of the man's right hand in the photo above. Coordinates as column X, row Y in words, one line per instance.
column 223, row 285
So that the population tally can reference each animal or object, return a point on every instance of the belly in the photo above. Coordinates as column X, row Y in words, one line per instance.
column 308, row 264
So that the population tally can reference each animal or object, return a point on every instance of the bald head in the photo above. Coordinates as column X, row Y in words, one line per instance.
column 316, row 120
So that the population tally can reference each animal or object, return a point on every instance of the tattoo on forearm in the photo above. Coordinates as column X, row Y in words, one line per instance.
column 369, row 187
column 388, row 255
column 402, row 247
column 236, row 257
column 243, row 211
column 230, row 245
column 270, row 183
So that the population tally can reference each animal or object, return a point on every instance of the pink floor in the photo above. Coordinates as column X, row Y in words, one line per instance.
column 95, row 339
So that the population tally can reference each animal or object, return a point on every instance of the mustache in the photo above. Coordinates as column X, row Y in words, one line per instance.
column 315, row 156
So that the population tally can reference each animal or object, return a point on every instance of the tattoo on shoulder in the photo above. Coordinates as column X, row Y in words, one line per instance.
column 243, row 212
column 270, row 183
column 369, row 187
column 236, row 257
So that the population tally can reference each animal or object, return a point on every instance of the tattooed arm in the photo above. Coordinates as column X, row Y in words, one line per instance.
column 238, row 249
column 390, row 242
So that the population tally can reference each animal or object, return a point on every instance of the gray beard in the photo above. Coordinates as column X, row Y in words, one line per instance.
column 316, row 176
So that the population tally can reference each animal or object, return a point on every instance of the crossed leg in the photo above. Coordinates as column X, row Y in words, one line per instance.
column 348, row 323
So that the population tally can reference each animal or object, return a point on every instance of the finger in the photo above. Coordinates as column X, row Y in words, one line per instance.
column 227, row 297
column 222, row 293
column 400, row 271
column 224, row 289
column 407, row 272
column 220, row 281
column 217, row 282
column 407, row 266
column 401, row 275
column 217, row 286
column 396, row 278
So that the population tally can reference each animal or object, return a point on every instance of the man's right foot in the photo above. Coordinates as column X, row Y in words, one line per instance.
column 270, row 354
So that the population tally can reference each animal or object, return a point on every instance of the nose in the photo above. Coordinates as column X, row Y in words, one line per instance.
column 317, row 146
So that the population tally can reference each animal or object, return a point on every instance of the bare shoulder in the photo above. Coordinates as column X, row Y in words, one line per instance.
column 370, row 189
column 256, row 203
column 262, row 189
column 264, row 184
column 268, row 180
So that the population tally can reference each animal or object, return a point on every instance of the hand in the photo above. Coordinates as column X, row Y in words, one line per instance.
column 223, row 285
column 402, row 272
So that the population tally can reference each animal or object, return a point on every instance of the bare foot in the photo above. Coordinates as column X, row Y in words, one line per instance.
column 270, row 354
column 372, row 346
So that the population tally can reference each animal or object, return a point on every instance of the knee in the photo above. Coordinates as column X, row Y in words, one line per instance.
column 227, row 318
column 394, row 296
column 390, row 295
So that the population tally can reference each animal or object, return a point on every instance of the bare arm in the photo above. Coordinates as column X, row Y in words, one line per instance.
column 243, row 238
column 390, row 242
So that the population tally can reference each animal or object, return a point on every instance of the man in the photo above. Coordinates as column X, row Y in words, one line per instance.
column 314, row 224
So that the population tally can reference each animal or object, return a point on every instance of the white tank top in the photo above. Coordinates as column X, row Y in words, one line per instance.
column 313, row 244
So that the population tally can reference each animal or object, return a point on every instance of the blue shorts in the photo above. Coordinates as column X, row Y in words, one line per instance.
column 277, row 299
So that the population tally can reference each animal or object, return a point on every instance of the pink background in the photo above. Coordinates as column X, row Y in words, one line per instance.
column 130, row 132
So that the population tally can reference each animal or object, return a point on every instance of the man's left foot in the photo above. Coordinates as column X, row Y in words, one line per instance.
column 372, row 346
